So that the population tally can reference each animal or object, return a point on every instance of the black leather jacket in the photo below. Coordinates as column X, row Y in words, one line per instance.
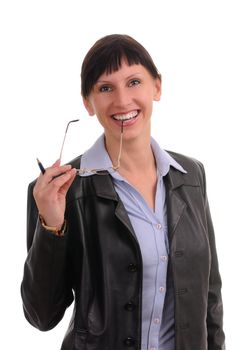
column 98, row 262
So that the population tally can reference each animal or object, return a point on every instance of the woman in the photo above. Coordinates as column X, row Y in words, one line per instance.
column 132, row 243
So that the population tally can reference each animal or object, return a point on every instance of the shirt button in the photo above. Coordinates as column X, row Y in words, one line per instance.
column 161, row 289
column 158, row 226
column 164, row 258
column 156, row 320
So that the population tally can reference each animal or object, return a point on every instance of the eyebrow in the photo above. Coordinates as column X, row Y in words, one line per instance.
column 129, row 76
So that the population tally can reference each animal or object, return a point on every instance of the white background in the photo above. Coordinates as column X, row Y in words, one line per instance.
column 42, row 46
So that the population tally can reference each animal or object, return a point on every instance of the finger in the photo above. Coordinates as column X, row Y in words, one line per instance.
column 50, row 174
column 55, row 171
column 64, row 189
column 57, row 183
column 57, row 163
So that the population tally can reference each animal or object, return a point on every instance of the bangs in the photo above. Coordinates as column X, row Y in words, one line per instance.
column 114, row 60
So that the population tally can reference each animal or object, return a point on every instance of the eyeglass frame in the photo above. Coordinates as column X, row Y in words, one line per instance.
column 95, row 171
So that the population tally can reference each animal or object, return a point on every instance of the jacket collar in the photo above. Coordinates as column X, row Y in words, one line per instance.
column 104, row 187
column 174, row 181
column 176, row 204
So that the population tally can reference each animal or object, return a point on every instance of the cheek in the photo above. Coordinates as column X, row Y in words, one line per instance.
column 147, row 100
column 148, row 103
column 145, row 95
column 100, row 105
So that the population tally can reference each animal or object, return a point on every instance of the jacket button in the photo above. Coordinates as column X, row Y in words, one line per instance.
column 182, row 291
column 130, row 306
column 132, row 268
column 129, row 341
column 179, row 253
column 184, row 326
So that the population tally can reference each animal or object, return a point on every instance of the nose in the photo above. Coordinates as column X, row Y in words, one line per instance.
column 122, row 98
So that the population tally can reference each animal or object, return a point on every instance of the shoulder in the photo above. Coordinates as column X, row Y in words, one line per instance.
column 195, row 169
column 188, row 163
column 75, row 163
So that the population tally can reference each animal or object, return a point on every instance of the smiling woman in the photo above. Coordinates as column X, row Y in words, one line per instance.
column 126, row 94
column 135, row 247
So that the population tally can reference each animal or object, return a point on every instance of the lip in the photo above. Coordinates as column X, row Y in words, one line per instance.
column 126, row 122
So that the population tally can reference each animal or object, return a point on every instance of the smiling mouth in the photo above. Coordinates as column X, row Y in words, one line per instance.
column 127, row 116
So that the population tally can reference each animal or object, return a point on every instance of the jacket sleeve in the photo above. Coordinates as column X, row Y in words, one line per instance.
column 46, row 289
column 216, row 337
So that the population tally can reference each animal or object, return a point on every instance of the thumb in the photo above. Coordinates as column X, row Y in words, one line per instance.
column 64, row 189
column 57, row 163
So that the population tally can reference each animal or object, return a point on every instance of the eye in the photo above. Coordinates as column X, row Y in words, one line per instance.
column 105, row 88
column 134, row 82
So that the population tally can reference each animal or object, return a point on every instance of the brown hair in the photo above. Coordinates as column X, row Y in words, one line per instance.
column 106, row 55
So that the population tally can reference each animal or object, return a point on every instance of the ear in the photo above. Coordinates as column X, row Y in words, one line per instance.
column 88, row 106
column 157, row 89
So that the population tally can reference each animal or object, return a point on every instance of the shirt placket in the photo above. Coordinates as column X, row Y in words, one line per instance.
column 159, row 227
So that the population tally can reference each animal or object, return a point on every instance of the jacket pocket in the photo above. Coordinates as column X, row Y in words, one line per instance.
column 85, row 340
column 80, row 339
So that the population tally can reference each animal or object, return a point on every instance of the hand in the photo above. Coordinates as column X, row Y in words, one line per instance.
column 50, row 191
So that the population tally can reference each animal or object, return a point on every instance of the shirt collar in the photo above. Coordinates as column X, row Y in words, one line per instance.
column 164, row 160
column 97, row 157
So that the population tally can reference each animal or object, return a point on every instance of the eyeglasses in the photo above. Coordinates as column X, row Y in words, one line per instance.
column 97, row 171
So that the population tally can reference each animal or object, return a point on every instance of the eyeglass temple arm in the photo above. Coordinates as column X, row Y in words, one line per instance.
column 120, row 148
column 71, row 121
column 76, row 120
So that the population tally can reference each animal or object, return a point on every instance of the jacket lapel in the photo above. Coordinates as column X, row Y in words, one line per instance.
column 121, row 214
column 175, row 204
column 104, row 188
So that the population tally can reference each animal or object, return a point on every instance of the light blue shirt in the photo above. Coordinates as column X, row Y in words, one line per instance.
column 150, row 227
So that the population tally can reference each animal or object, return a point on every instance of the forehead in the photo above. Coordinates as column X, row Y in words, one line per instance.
column 125, row 71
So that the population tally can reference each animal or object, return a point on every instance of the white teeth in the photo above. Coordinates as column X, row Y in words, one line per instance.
column 127, row 116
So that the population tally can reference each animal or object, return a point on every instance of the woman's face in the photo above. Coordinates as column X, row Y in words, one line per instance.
column 127, row 95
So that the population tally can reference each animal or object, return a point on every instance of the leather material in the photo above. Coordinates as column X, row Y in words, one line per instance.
column 98, row 263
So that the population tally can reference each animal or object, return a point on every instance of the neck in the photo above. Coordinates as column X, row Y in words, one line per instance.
column 136, row 154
